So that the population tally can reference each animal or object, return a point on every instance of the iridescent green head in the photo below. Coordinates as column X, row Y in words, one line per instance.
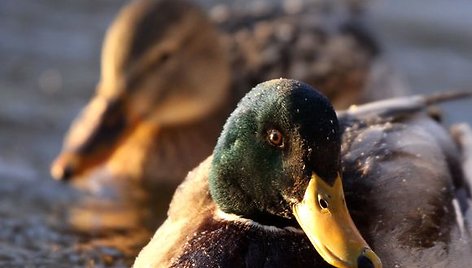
column 277, row 162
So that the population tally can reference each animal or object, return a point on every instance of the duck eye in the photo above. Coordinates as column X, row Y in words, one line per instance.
column 322, row 202
column 165, row 56
column 275, row 138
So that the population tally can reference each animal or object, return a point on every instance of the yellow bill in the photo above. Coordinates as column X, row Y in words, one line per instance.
column 324, row 218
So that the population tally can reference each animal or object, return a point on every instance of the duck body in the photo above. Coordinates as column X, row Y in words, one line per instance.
column 324, row 44
column 247, row 245
column 222, row 240
column 147, row 121
column 401, row 173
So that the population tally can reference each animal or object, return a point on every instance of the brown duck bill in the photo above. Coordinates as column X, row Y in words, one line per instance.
column 324, row 218
column 92, row 139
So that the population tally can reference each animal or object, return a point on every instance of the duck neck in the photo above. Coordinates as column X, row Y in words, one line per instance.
column 262, row 218
column 232, row 200
column 273, row 220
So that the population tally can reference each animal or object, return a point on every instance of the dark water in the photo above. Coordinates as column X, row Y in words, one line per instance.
column 49, row 51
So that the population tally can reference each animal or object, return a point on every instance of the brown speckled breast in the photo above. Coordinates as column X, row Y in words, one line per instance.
column 231, row 244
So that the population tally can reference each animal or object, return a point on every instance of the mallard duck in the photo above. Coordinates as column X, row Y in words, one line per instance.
column 170, row 76
column 272, row 192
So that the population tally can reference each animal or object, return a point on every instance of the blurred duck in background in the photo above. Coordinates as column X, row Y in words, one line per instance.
column 171, row 75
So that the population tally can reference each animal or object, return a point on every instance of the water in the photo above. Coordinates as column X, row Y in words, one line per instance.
column 430, row 45
column 50, row 52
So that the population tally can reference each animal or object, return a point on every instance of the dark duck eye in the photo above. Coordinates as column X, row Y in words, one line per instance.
column 275, row 138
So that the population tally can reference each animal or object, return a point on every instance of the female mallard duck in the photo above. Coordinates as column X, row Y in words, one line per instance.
column 169, row 80
column 275, row 184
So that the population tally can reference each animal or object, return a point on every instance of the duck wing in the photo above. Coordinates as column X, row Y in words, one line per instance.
column 395, row 108
column 402, row 174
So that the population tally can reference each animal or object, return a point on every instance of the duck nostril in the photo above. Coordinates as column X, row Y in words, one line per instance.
column 67, row 173
column 62, row 173
column 364, row 262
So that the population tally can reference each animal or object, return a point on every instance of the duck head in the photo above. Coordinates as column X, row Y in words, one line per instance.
column 277, row 162
column 157, row 70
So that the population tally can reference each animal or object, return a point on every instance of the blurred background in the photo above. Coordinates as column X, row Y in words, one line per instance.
column 50, row 60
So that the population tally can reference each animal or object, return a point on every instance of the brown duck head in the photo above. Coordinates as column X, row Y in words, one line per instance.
column 156, row 71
